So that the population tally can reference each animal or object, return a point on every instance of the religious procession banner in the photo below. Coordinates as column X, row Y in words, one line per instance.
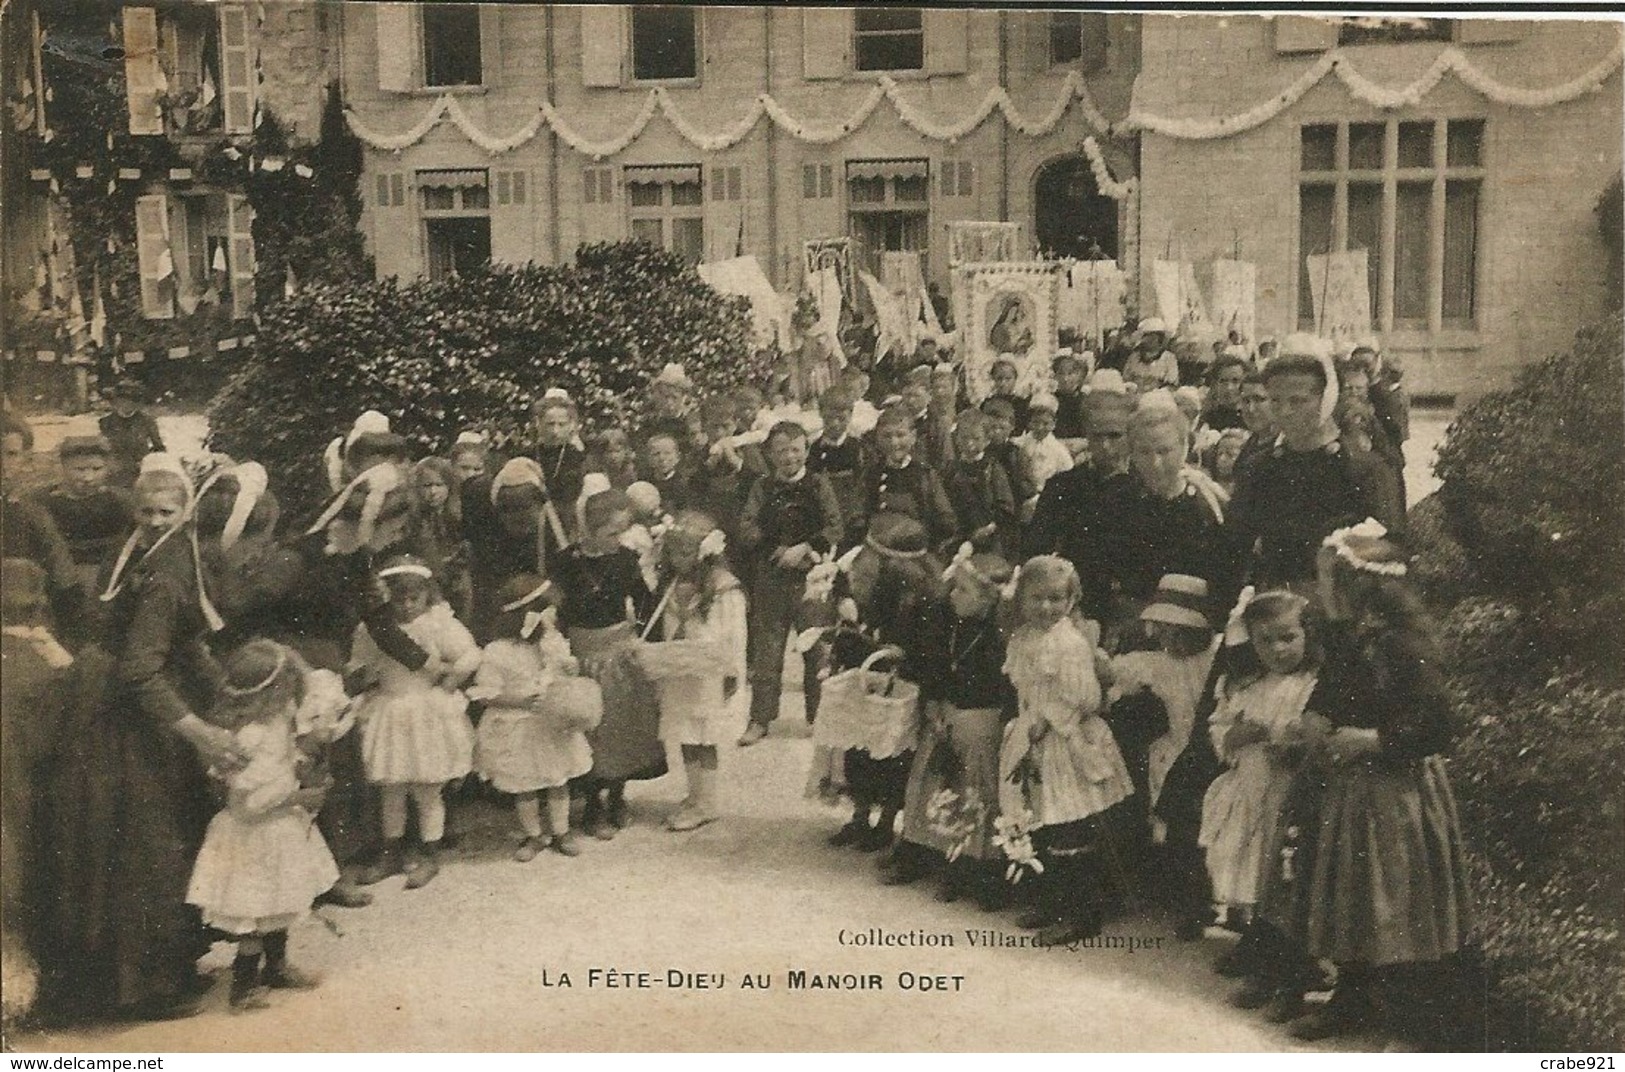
column 1234, row 294
column 1339, row 285
column 769, row 312
column 1092, row 299
column 820, row 253
column 1011, row 316
column 1179, row 299
column 979, row 242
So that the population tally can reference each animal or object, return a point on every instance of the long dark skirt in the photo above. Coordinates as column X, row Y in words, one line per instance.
column 127, row 803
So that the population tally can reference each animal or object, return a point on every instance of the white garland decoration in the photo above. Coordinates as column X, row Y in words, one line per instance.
column 659, row 100
column 1104, row 182
column 1449, row 61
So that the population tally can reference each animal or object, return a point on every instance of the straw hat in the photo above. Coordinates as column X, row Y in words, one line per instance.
column 1180, row 600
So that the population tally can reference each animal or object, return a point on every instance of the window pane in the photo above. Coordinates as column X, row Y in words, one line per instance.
column 476, row 197
column 1314, row 236
column 439, row 198
column 1464, row 143
column 1319, row 147
column 915, row 189
column 451, row 44
column 1460, row 249
column 867, row 191
column 458, row 246
column 888, row 39
column 647, row 231
column 1365, row 230
column 688, row 239
column 1065, row 36
column 1416, row 145
column 1365, row 146
column 1392, row 30
column 809, row 180
column 880, row 19
column 736, row 183
column 1413, row 213
column 646, row 194
column 663, row 43
column 685, row 193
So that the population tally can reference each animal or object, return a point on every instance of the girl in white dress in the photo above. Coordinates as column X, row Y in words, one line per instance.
column 415, row 732
column 529, row 743
column 705, row 702
column 263, row 860
column 1059, row 768
column 1257, row 727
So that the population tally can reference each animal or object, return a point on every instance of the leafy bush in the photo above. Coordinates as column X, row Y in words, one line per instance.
column 474, row 351
column 1534, row 493
column 1554, row 975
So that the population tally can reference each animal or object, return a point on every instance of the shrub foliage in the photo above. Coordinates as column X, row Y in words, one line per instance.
column 1524, row 554
column 474, row 351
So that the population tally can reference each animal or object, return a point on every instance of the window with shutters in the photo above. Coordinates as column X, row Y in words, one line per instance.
column 195, row 250
column 665, row 207
column 451, row 45
column 665, row 43
column 456, row 209
column 598, row 185
column 1408, row 192
column 1078, row 38
column 1393, row 30
column 888, row 207
column 888, row 39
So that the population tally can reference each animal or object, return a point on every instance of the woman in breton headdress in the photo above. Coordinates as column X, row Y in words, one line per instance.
column 128, row 801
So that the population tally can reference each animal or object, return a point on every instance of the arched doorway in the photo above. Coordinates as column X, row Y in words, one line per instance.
column 1071, row 217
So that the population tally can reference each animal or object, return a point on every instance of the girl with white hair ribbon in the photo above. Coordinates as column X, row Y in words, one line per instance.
column 699, row 668
column 415, row 732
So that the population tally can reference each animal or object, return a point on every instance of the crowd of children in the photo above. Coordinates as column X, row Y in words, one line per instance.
column 1050, row 569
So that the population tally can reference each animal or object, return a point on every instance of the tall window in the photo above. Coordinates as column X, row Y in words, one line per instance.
column 1408, row 193
column 888, row 39
column 666, row 207
column 1393, row 30
column 664, row 43
column 189, row 55
column 456, row 220
column 888, row 207
column 1078, row 37
column 451, row 45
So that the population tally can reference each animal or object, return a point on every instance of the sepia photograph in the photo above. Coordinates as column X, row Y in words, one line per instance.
column 547, row 528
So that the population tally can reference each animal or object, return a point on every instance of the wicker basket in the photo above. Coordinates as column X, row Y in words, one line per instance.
column 669, row 659
column 869, row 709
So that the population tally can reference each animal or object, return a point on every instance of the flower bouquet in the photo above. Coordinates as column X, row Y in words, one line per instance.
column 1014, row 834
column 956, row 818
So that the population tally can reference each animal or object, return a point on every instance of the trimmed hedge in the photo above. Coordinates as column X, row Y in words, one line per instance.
column 474, row 351
column 1523, row 554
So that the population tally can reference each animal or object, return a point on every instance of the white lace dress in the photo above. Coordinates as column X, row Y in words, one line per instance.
column 1241, row 813
column 1079, row 770
column 523, row 746
column 413, row 731
column 263, row 860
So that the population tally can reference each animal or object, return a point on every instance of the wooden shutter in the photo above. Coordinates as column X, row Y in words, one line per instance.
column 394, row 232
column 237, row 69
column 826, row 42
column 602, row 47
column 143, row 77
column 1489, row 31
column 513, row 224
column 397, row 46
column 947, row 41
column 240, row 258
column 490, row 44
column 1303, row 33
column 152, row 253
